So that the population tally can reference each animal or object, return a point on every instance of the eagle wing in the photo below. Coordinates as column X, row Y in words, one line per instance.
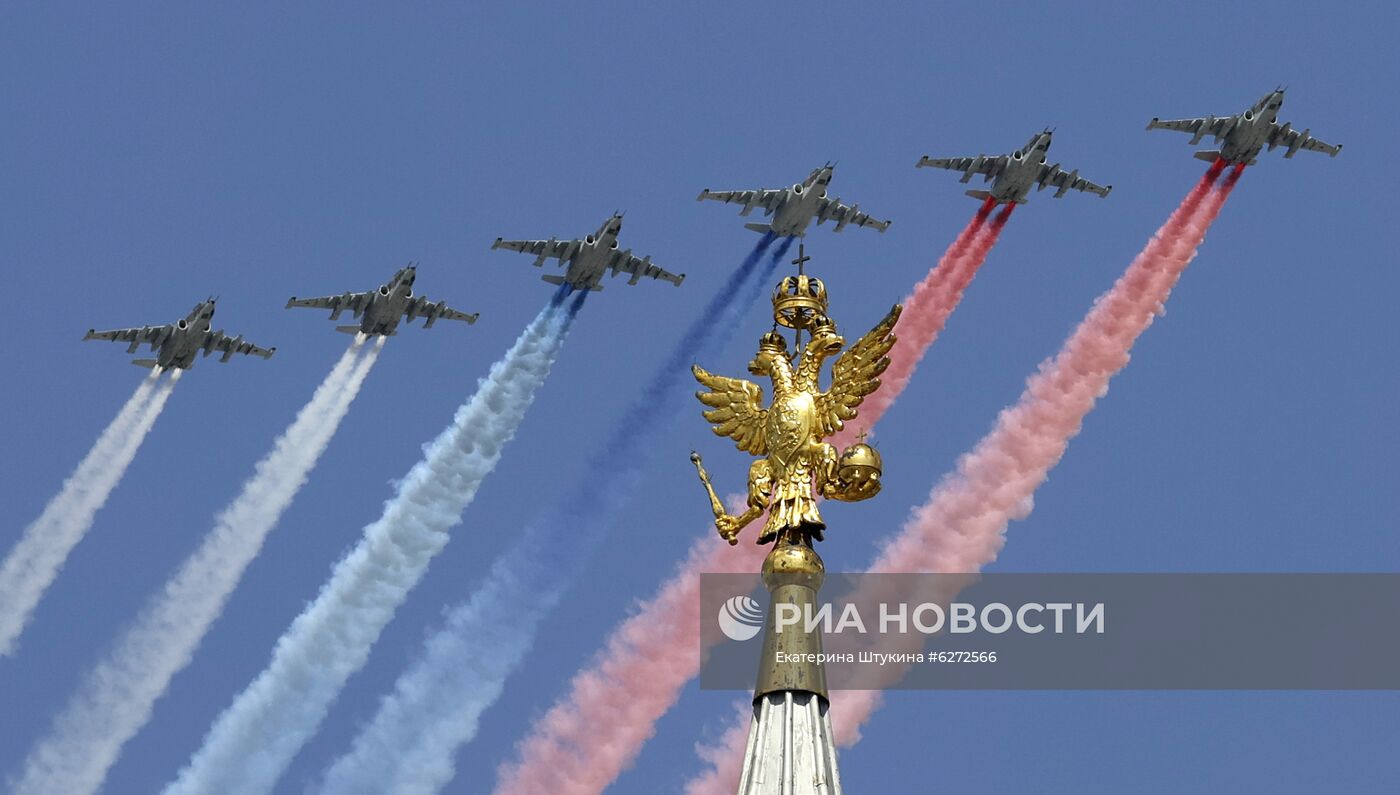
column 736, row 409
column 856, row 374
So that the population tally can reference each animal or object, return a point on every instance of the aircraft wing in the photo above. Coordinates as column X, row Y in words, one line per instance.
column 154, row 335
column 624, row 262
column 1056, row 177
column 559, row 249
column 355, row 302
column 219, row 341
column 766, row 198
column 843, row 214
column 1198, row 128
column 981, row 164
column 432, row 312
column 1292, row 140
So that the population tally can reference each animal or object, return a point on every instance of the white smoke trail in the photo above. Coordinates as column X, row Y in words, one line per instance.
column 116, row 698
column 435, row 706
column 35, row 561
column 252, row 742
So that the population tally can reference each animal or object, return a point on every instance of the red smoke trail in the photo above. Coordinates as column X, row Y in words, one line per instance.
column 961, row 527
column 586, row 740
column 926, row 311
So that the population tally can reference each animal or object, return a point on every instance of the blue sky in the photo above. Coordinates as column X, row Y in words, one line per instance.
column 156, row 154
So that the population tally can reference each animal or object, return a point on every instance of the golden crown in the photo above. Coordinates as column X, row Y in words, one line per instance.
column 772, row 342
column 799, row 300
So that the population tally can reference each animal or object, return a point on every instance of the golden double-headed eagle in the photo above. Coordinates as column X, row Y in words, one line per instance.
column 796, row 466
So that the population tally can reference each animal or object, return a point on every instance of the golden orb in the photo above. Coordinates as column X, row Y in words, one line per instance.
column 860, row 463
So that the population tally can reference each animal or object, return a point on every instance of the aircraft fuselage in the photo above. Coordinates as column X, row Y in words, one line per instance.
column 386, row 308
column 1022, row 168
column 186, row 339
column 797, row 209
column 589, row 263
column 800, row 204
column 1250, row 133
column 1016, row 181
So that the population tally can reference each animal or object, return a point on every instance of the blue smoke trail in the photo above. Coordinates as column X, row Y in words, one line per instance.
column 574, row 306
column 250, row 745
column 434, row 708
column 782, row 249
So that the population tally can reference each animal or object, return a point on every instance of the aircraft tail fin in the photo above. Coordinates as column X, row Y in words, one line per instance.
column 348, row 329
column 1208, row 155
column 149, row 364
column 762, row 229
column 981, row 195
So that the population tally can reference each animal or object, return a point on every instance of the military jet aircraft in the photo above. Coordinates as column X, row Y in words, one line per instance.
column 587, row 259
column 381, row 310
column 1247, row 133
column 1012, row 175
column 181, row 340
column 792, row 209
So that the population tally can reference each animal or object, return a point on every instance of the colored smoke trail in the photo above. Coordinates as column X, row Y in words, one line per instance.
column 782, row 249
column 961, row 527
column 250, row 745
column 595, row 732
column 117, row 697
column 35, row 561
column 585, row 741
column 928, row 306
column 434, row 708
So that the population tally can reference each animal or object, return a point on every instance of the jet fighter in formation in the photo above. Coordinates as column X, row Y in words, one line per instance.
column 381, row 310
column 589, row 258
column 1245, row 134
column 792, row 209
column 1012, row 175
column 178, row 342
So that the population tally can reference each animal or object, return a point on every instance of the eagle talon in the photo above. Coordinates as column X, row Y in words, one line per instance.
column 728, row 527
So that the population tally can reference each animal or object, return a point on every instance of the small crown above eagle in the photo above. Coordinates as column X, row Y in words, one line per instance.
column 773, row 342
column 799, row 301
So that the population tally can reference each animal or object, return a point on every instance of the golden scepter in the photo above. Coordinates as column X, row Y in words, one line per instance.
column 715, row 504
